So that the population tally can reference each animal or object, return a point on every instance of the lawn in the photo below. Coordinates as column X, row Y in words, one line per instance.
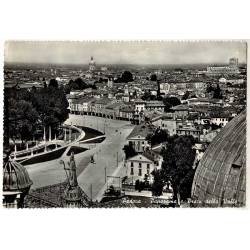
column 44, row 157
column 76, row 150
column 90, row 133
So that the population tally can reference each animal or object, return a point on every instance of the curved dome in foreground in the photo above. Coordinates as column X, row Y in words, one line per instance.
column 15, row 176
column 16, row 183
column 220, row 178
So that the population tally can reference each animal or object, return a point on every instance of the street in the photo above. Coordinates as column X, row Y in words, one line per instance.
column 91, row 177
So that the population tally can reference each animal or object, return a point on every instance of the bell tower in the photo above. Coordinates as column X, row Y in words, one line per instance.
column 92, row 65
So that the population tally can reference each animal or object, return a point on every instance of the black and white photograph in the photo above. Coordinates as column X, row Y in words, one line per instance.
column 124, row 124
column 135, row 124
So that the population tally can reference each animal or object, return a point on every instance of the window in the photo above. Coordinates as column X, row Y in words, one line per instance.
column 148, row 169
column 131, row 171
column 132, row 164
column 142, row 142
column 140, row 172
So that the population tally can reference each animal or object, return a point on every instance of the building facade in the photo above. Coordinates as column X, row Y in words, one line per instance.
column 138, row 166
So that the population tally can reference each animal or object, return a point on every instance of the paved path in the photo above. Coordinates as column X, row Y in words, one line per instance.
column 105, row 155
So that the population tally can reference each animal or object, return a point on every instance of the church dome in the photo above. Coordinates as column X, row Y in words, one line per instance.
column 220, row 178
column 15, row 177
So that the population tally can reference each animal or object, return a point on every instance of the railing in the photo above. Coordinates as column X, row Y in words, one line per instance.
column 31, row 152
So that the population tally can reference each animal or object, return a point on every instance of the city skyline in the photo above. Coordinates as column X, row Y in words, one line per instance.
column 146, row 53
column 146, row 130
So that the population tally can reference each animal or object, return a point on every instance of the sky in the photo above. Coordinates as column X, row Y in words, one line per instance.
column 65, row 52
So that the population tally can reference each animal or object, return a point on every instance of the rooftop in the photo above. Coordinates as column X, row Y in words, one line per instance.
column 141, row 130
column 181, row 107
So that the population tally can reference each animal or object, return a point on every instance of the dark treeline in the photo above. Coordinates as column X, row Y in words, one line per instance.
column 27, row 111
column 177, row 167
column 77, row 84
column 126, row 77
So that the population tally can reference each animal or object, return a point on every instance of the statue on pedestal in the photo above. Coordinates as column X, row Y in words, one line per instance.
column 73, row 194
column 71, row 176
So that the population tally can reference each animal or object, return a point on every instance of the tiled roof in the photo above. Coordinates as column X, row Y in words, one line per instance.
column 152, row 154
column 155, row 104
column 103, row 101
column 139, row 101
column 220, row 115
column 115, row 105
column 141, row 130
column 127, row 109
column 180, row 107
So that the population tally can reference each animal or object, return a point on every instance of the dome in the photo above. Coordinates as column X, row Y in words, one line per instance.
column 220, row 178
column 15, row 177
column 92, row 60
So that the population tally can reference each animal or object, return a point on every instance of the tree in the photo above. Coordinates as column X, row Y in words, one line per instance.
column 159, row 97
column 44, row 83
column 153, row 78
column 94, row 86
column 129, row 151
column 217, row 92
column 146, row 180
column 177, row 166
column 147, row 96
column 159, row 136
column 186, row 184
column 158, row 183
column 33, row 89
column 77, row 84
column 170, row 102
column 80, row 84
column 22, row 120
column 186, row 95
column 215, row 126
column 139, row 185
column 53, row 83
column 28, row 111
column 125, row 77
column 209, row 88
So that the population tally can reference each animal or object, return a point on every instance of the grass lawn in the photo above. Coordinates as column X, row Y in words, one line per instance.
column 90, row 133
column 99, row 140
column 76, row 150
column 45, row 157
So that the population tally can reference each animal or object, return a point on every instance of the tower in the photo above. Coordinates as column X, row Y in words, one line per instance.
column 126, row 89
column 92, row 65
column 158, row 89
column 233, row 62
column 110, row 83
